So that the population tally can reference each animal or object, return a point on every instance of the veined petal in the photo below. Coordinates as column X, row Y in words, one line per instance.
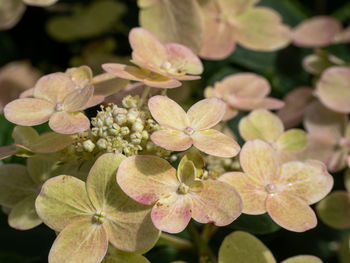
column 261, row 29
column 261, row 124
column 81, row 76
column 69, row 122
column 259, row 160
column 125, row 71
column 78, row 99
column 172, row 140
column 54, row 87
column 148, row 47
column 168, row 113
column 236, row 7
column 293, row 140
column 172, row 213
column 291, row 212
column 246, row 85
column 23, row 215
column 309, row 181
column 51, row 142
column 215, row 202
column 253, row 195
column 206, row 113
column 213, row 142
column 333, row 89
column 334, row 210
column 28, row 111
column 75, row 243
column 317, row 31
column 184, row 58
column 147, row 178
column 62, row 201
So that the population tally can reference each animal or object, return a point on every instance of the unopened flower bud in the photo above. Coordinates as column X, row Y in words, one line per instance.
column 102, row 144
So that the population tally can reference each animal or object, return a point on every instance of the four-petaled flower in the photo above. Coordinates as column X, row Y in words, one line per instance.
column 160, row 65
column 284, row 191
column 57, row 99
column 175, row 198
column 184, row 129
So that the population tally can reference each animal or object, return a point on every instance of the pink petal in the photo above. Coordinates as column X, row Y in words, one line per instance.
column 215, row 143
column 158, row 81
column 147, row 47
column 206, row 113
column 218, row 40
column 333, row 89
column 147, row 179
column 295, row 106
column 29, row 93
column 318, row 31
column 236, row 7
column 168, row 113
column 291, row 212
column 125, row 71
column 309, row 181
column 337, row 160
column 172, row 140
column 28, row 111
column 324, row 123
column 255, row 103
column 78, row 99
column 69, row 123
column 243, row 85
column 253, row 195
column 179, row 55
column 230, row 113
column 54, row 87
column 172, row 213
column 317, row 148
column 259, row 161
column 215, row 202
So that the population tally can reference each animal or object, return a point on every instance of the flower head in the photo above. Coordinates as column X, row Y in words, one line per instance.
column 182, row 130
column 285, row 191
column 243, row 91
column 176, row 197
column 160, row 65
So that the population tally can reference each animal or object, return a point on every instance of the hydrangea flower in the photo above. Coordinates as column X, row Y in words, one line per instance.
column 329, row 137
column 334, row 210
column 228, row 22
column 266, row 126
column 243, row 91
column 285, row 191
column 177, row 196
column 160, row 65
column 182, row 130
column 89, row 215
column 333, row 89
column 58, row 100
column 320, row 31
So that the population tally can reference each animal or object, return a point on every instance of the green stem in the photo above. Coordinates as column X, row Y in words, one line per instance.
column 164, row 92
column 208, row 231
column 144, row 95
column 176, row 242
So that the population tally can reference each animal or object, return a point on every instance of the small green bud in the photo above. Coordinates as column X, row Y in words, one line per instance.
column 120, row 118
column 124, row 131
column 102, row 143
column 88, row 146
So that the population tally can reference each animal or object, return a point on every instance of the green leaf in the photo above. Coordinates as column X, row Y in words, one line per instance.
column 255, row 224
column 242, row 247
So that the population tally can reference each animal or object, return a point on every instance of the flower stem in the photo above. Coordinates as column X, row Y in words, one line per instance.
column 176, row 242
column 144, row 95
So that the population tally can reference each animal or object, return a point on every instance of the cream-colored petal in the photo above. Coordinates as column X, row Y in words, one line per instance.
column 236, row 7
column 147, row 178
column 291, row 212
column 168, row 113
column 54, row 87
column 206, row 113
column 78, row 99
column 261, row 124
column 28, row 111
column 215, row 202
column 293, row 140
column 309, row 181
column 259, row 160
column 215, row 143
column 172, row 213
column 172, row 140
column 318, row 31
column 69, row 122
column 125, row 71
column 303, row 259
column 253, row 195
column 75, row 243
column 40, row 2
column 333, row 89
column 248, row 104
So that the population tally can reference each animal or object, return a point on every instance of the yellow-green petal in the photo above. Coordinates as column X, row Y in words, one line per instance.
column 293, row 140
column 196, row 158
column 303, row 259
column 78, row 99
column 50, row 142
column 243, row 247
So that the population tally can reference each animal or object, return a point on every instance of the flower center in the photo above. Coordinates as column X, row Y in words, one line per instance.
column 59, row 106
column 189, row 130
column 98, row 218
column 271, row 188
column 183, row 189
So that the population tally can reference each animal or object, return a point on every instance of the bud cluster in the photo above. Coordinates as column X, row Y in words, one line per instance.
column 125, row 130
column 217, row 166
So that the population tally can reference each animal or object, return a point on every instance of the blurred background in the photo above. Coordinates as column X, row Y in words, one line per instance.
column 92, row 32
